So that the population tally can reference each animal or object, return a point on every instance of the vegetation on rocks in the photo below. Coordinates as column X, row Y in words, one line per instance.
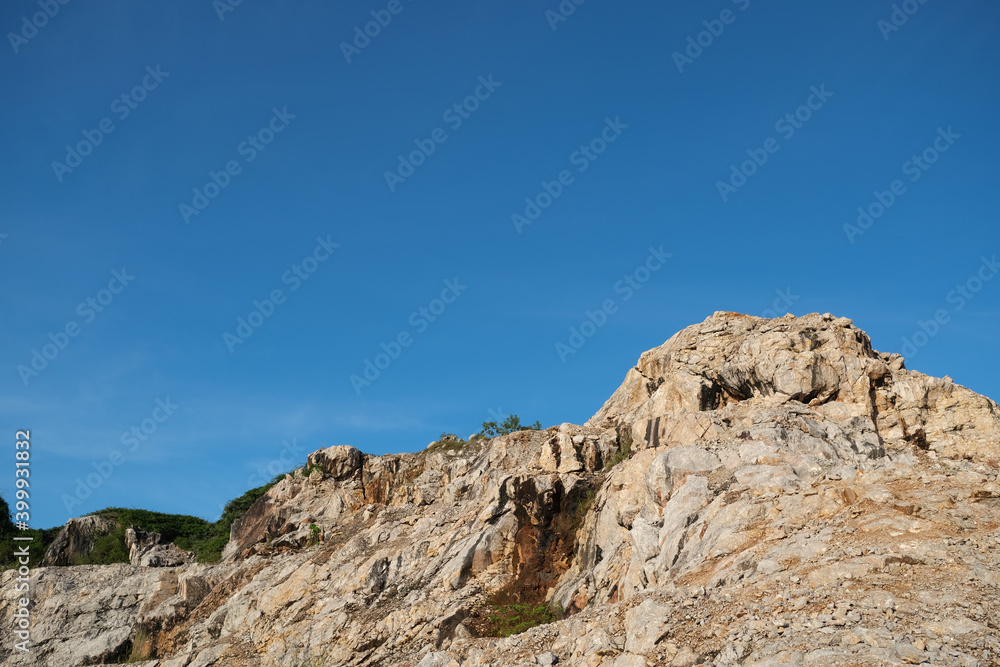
column 788, row 489
column 448, row 442
column 513, row 619
column 190, row 533
column 624, row 450
column 509, row 425
column 36, row 547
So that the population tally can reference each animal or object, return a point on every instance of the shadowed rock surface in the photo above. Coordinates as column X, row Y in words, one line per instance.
column 76, row 539
column 789, row 496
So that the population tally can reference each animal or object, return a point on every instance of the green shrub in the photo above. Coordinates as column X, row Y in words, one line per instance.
column 142, row 647
column 308, row 470
column 41, row 539
column 170, row 526
column 586, row 502
column 314, row 533
column 206, row 540
column 110, row 548
column 624, row 449
column 509, row 425
column 190, row 533
column 450, row 442
column 511, row 619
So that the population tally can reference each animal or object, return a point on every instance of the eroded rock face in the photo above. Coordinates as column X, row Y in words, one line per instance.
column 340, row 462
column 791, row 497
column 818, row 360
column 148, row 550
column 76, row 539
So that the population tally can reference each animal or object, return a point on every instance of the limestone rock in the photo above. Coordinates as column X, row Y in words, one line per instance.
column 147, row 550
column 790, row 497
column 340, row 462
column 76, row 539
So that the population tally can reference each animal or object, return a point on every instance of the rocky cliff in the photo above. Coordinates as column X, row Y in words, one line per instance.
column 757, row 492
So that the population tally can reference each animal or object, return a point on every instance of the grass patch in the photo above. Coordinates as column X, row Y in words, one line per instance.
column 624, row 449
column 142, row 648
column 305, row 471
column 583, row 506
column 448, row 442
column 505, row 620
column 311, row 662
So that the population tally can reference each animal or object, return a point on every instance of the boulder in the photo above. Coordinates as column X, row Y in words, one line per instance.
column 340, row 462
column 76, row 539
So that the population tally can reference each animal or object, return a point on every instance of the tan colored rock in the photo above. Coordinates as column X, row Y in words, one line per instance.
column 792, row 497
column 76, row 539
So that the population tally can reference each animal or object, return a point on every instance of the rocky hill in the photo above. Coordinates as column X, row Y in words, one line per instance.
column 756, row 492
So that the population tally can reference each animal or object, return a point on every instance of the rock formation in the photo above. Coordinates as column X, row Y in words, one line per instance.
column 756, row 492
column 76, row 539
column 146, row 549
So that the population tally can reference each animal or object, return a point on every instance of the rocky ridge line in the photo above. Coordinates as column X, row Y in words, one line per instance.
column 792, row 497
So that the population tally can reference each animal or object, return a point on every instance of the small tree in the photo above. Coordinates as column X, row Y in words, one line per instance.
column 509, row 425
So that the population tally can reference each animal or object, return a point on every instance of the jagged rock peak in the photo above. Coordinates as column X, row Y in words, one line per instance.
column 819, row 360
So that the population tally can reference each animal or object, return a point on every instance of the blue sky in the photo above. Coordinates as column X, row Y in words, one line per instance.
column 176, row 162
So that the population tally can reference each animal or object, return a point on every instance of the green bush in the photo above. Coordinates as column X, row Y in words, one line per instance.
column 190, row 533
column 624, row 449
column 308, row 470
column 586, row 502
column 509, row 425
column 142, row 647
column 448, row 441
column 314, row 533
column 110, row 548
column 6, row 525
column 42, row 538
column 511, row 619
column 170, row 526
